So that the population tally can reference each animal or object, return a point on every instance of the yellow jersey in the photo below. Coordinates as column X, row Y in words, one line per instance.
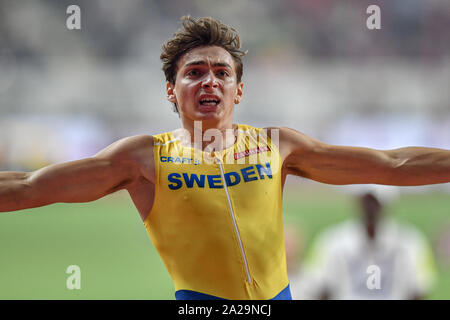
column 216, row 219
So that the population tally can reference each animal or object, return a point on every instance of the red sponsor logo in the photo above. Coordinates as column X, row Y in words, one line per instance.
column 248, row 152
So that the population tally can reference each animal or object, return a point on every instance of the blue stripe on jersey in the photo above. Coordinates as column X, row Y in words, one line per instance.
column 284, row 294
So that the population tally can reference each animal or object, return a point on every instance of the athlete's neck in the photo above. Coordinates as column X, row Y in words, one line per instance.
column 208, row 136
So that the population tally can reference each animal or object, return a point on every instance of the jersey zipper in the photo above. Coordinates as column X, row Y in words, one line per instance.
column 234, row 221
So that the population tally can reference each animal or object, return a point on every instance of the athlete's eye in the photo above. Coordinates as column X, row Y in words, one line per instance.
column 222, row 73
column 193, row 73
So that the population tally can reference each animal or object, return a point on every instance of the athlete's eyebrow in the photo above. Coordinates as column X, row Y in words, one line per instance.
column 202, row 62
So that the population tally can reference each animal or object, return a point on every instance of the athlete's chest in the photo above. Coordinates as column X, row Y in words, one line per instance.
column 245, row 167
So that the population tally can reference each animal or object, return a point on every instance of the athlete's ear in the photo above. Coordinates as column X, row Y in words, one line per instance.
column 238, row 96
column 170, row 90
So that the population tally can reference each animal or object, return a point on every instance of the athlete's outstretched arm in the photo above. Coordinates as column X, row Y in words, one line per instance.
column 410, row 166
column 116, row 167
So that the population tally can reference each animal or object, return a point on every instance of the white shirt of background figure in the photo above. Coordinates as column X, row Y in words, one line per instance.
column 346, row 260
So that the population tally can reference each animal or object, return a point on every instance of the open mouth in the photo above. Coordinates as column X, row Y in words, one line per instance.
column 209, row 100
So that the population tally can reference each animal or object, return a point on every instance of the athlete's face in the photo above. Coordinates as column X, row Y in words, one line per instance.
column 206, row 87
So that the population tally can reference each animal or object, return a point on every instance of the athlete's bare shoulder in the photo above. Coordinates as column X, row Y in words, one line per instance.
column 286, row 139
column 135, row 150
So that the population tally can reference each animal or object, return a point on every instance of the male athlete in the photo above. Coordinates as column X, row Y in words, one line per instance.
column 214, row 216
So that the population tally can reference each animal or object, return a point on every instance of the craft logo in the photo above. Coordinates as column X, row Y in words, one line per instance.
column 179, row 160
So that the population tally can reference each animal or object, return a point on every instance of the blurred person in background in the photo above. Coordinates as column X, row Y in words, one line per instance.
column 217, row 224
column 2, row 157
column 369, row 257
column 294, row 243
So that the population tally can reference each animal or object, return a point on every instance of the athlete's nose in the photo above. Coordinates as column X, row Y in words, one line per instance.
column 210, row 81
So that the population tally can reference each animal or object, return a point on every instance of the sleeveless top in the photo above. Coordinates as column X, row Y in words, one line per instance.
column 216, row 219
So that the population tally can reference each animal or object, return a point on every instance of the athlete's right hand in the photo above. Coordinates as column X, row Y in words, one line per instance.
column 117, row 167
